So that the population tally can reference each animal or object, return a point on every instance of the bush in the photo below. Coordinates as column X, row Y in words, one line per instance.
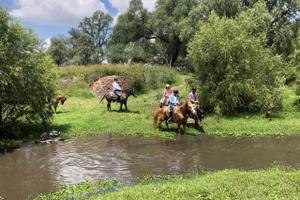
column 236, row 72
column 26, row 79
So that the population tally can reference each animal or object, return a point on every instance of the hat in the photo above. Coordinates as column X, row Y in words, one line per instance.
column 167, row 85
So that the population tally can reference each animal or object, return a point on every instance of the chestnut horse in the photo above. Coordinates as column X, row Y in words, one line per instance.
column 56, row 100
column 180, row 115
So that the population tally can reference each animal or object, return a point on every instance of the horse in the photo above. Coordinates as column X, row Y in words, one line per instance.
column 180, row 115
column 111, row 97
column 56, row 100
column 198, row 116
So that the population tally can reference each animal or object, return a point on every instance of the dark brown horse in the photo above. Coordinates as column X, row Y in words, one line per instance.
column 111, row 97
column 180, row 115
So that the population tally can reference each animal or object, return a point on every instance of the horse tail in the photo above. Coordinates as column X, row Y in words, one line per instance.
column 103, row 97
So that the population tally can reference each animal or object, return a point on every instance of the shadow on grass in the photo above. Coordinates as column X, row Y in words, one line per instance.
column 126, row 111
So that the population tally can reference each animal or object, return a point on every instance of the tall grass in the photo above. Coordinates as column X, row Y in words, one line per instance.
column 141, row 78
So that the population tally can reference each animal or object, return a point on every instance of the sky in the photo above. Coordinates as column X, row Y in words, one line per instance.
column 49, row 18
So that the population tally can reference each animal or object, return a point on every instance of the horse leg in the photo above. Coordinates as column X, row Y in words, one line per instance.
column 179, row 128
column 167, row 124
column 121, row 106
column 55, row 107
column 108, row 106
column 125, row 104
column 184, row 128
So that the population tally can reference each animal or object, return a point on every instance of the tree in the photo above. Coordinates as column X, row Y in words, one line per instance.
column 236, row 72
column 59, row 50
column 89, row 40
column 166, row 24
column 25, row 75
column 129, row 39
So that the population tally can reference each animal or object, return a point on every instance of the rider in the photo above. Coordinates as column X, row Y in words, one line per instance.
column 193, row 97
column 174, row 99
column 166, row 94
column 117, row 89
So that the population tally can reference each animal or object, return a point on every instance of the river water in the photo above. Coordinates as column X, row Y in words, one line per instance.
column 27, row 171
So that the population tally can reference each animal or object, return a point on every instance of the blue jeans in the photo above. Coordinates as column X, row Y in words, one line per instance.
column 117, row 93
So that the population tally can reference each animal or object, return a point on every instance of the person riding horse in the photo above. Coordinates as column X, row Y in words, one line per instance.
column 174, row 99
column 117, row 89
column 193, row 98
column 166, row 94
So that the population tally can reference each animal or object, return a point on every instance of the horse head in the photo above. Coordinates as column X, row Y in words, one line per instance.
column 190, row 108
column 131, row 92
column 62, row 99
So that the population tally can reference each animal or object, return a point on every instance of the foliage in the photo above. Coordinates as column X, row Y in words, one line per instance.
column 166, row 24
column 128, row 41
column 87, row 43
column 81, row 190
column 59, row 50
column 26, row 79
column 141, row 78
column 236, row 72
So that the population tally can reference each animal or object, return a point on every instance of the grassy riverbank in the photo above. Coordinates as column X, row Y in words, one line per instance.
column 273, row 183
column 83, row 115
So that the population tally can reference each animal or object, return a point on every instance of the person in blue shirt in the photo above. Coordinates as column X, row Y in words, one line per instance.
column 117, row 89
column 174, row 99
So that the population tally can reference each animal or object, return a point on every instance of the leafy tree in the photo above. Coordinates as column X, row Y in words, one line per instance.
column 89, row 41
column 59, row 50
column 129, row 39
column 166, row 24
column 235, row 70
column 25, row 75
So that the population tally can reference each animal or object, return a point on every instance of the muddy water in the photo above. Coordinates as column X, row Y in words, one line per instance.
column 31, row 170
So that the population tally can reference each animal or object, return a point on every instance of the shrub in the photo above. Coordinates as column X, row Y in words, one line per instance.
column 26, row 79
column 236, row 72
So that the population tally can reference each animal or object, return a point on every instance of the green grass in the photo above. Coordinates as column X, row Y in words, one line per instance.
column 273, row 183
column 83, row 115
column 80, row 191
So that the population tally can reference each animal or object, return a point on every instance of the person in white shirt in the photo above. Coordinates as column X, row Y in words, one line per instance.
column 116, row 88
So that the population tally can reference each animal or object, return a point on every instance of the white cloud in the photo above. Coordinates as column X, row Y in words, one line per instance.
column 122, row 5
column 46, row 44
column 56, row 12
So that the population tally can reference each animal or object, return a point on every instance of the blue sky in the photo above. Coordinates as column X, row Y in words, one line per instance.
column 49, row 18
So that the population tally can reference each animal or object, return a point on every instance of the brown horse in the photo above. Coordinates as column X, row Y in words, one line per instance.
column 180, row 115
column 111, row 97
column 56, row 100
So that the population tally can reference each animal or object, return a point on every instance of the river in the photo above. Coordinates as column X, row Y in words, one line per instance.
column 34, row 169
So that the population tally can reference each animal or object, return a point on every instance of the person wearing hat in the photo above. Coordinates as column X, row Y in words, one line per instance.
column 166, row 94
column 173, row 101
column 193, row 97
column 117, row 88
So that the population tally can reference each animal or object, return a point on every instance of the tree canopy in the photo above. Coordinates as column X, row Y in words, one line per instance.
column 236, row 72
column 25, row 75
